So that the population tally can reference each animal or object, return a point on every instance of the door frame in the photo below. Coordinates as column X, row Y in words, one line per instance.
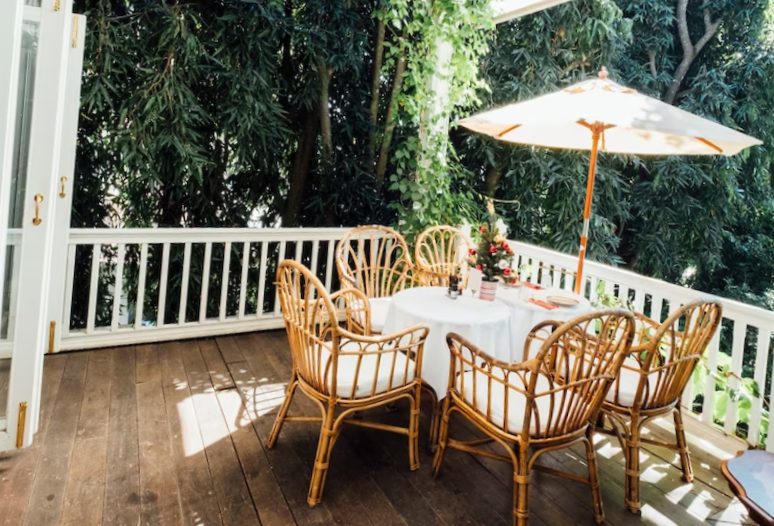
column 31, row 326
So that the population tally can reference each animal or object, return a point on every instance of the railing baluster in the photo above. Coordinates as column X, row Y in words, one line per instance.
column 262, row 277
column 639, row 300
column 761, row 366
column 535, row 267
column 163, row 286
column 656, row 303
column 69, row 289
column 593, row 289
column 299, row 252
column 315, row 251
column 205, row 283
column 708, row 406
column 141, row 286
column 329, row 264
column 96, row 255
column 118, row 287
column 184, row 284
column 770, row 436
column 243, row 282
column 280, row 258
column 737, row 354
column 224, row 281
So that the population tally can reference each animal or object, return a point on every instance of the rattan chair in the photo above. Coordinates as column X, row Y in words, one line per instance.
column 439, row 251
column 341, row 371
column 375, row 260
column 651, row 384
column 542, row 404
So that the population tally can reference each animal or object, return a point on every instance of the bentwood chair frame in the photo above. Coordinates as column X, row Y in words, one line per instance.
column 439, row 251
column 665, row 355
column 375, row 260
column 562, row 389
column 320, row 346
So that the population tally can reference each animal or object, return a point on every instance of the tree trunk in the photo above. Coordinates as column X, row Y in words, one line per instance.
column 690, row 50
column 325, row 74
column 391, row 119
column 376, row 75
column 299, row 170
column 492, row 179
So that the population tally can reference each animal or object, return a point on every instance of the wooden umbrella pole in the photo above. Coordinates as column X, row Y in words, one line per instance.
column 596, row 132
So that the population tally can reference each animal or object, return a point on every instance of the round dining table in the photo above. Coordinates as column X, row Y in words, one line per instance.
column 486, row 324
column 525, row 314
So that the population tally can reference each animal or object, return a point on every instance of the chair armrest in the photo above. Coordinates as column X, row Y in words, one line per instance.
column 535, row 334
column 410, row 341
column 357, row 309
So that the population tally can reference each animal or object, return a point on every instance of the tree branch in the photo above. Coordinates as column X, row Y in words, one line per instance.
column 652, row 61
column 391, row 118
column 690, row 51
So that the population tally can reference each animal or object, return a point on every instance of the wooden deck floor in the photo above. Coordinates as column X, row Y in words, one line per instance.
column 174, row 434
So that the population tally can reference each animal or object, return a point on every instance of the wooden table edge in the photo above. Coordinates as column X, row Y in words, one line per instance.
column 756, row 513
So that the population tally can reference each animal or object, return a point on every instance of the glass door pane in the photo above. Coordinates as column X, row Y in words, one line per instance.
column 10, row 271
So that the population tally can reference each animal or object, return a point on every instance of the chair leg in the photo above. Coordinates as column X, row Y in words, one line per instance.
column 435, row 419
column 521, row 491
column 414, row 431
column 443, row 438
column 632, row 484
column 596, row 491
column 283, row 411
column 682, row 444
column 323, row 457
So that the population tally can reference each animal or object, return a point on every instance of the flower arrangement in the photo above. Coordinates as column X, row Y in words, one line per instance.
column 493, row 257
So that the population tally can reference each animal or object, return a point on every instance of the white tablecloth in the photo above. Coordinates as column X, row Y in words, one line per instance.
column 525, row 315
column 485, row 324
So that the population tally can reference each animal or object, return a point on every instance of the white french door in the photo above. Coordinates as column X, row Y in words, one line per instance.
column 41, row 54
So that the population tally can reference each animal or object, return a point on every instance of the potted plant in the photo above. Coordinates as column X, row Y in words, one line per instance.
column 493, row 257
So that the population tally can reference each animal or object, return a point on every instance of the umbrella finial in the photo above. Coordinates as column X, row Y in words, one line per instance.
column 603, row 73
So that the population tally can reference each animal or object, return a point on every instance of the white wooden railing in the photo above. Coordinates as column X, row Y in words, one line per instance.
column 649, row 296
column 113, row 318
column 103, row 309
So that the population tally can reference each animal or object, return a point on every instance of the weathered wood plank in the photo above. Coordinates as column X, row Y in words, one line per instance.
column 159, row 500
column 45, row 505
column 17, row 468
column 83, row 503
column 271, row 505
column 236, row 505
column 216, row 366
column 229, row 350
column 122, row 481
column 197, row 495
column 147, row 366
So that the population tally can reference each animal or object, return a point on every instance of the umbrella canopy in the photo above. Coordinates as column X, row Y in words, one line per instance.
column 638, row 124
column 601, row 114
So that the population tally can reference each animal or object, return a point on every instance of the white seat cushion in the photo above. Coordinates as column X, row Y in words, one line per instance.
column 516, row 402
column 388, row 363
column 629, row 381
column 379, row 308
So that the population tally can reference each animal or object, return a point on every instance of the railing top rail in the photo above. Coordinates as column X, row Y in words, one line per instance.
column 85, row 236
column 734, row 310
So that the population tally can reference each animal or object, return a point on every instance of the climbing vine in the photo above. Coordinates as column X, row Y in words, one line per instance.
column 442, row 43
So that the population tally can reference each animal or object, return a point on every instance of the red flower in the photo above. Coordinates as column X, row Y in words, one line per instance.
column 472, row 251
column 514, row 280
column 507, row 271
column 504, row 244
column 482, row 229
column 509, row 251
column 479, row 267
column 492, row 249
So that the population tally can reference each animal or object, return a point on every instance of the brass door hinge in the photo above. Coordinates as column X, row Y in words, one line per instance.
column 51, row 336
column 74, row 39
column 20, row 424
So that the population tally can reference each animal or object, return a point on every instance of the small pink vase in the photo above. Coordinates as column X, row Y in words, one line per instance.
column 488, row 290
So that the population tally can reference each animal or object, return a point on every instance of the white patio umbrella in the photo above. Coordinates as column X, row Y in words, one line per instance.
column 599, row 113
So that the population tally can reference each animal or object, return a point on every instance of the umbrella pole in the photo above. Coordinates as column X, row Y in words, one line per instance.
column 596, row 130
